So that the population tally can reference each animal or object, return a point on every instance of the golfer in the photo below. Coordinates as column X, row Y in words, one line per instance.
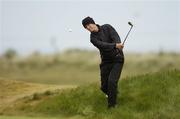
column 107, row 40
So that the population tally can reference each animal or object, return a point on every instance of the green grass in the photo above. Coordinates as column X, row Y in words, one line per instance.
column 53, row 69
column 76, row 67
column 19, row 117
column 25, row 117
column 149, row 96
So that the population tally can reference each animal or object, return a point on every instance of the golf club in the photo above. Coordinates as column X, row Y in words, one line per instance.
column 128, row 32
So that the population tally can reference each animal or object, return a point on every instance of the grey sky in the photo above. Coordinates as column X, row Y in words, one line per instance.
column 33, row 25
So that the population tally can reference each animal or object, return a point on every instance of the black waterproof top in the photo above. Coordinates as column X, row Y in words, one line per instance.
column 105, row 40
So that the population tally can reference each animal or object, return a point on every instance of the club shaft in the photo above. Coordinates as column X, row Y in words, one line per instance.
column 127, row 36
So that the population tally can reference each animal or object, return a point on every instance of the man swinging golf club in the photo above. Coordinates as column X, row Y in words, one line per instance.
column 107, row 40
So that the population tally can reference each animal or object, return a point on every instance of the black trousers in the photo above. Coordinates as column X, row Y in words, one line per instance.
column 110, row 74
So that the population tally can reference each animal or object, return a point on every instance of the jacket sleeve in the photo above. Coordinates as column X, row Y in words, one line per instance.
column 102, row 45
column 113, row 34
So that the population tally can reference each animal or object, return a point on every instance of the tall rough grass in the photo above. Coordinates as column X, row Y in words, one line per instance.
column 148, row 96
column 83, row 66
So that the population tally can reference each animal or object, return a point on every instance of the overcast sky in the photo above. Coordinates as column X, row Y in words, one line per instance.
column 29, row 25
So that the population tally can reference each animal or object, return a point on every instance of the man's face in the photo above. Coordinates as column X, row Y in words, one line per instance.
column 92, row 27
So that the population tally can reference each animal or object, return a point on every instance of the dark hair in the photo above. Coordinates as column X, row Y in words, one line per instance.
column 87, row 20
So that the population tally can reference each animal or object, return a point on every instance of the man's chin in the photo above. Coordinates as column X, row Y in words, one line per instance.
column 93, row 31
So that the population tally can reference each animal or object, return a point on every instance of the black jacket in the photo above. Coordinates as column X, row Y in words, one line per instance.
column 105, row 40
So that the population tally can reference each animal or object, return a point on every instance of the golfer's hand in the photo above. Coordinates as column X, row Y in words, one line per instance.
column 119, row 45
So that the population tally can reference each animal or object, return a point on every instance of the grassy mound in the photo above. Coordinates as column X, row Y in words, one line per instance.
column 150, row 96
column 79, row 67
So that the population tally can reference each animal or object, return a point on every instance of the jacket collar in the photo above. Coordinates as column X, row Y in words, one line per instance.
column 99, row 29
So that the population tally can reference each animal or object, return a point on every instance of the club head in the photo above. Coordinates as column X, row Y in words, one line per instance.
column 130, row 23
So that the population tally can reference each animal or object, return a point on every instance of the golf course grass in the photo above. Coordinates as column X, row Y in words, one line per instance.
column 148, row 96
column 18, row 117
